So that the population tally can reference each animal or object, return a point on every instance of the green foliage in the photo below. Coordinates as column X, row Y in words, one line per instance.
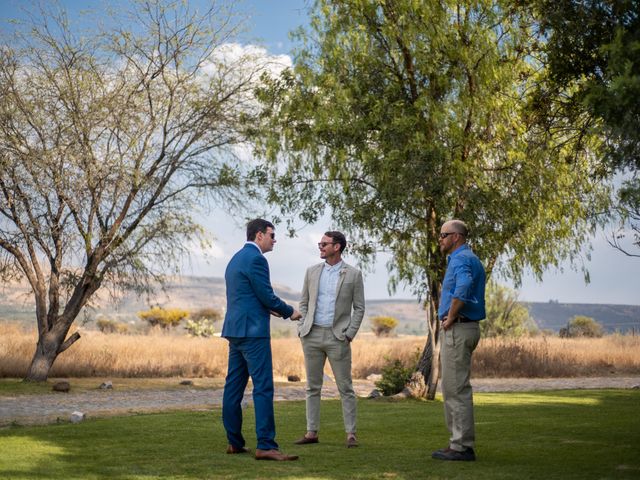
column 164, row 318
column 581, row 326
column 383, row 326
column 505, row 315
column 395, row 375
column 107, row 325
column 593, row 56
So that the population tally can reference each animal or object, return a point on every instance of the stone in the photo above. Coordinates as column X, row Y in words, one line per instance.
column 636, row 387
column 293, row 378
column 186, row 382
column 77, row 417
column 61, row 387
column 374, row 394
column 108, row 385
column 374, row 377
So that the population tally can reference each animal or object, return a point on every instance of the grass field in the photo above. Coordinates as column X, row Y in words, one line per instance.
column 591, row 434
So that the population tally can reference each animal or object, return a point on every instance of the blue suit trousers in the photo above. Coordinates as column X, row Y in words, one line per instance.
column 249, row 357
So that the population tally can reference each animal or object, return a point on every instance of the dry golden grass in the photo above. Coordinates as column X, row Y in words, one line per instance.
column 167, row 355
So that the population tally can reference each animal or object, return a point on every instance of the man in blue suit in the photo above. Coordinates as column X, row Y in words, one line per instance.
column 250, row 303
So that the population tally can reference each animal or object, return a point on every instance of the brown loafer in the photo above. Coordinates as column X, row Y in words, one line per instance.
column 352, row 442
column 234, row 450
column 306, row 440
column 276, row 455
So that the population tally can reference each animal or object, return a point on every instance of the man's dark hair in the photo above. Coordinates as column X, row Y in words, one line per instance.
column 255, row 226
column 338, row 237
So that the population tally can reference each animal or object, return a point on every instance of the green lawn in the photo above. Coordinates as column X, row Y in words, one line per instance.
column 590, row 434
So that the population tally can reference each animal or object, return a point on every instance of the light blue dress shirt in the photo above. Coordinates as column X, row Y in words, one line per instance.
column 327, row 289
column 465, row 280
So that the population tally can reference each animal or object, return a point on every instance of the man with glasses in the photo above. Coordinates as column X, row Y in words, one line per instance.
column 250, row 302
column 462, row 306
column 332, row 308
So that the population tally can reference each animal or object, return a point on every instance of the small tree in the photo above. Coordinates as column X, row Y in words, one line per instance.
column 505, row 315
column 164, row 318
column 581, row 326
column 383, row 326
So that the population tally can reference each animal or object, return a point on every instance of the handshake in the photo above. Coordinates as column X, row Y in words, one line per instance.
column 295, row 316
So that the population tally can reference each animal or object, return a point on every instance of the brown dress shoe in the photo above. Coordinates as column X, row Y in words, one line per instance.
column 276, row 455
column 232, row 449
column 352, row 442
column 306, row 440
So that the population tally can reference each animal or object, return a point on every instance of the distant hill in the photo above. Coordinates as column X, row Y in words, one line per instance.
column 553, row 315
column 192, row 293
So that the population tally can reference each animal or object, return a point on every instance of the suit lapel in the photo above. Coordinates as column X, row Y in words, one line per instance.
column 343, row 273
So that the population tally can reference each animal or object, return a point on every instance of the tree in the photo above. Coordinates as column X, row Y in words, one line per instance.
column 506, row 316
column 581, row 326
column 592, row 51
column 383, row 326
column 399, row 115
column 164, row 318
column 108, row 141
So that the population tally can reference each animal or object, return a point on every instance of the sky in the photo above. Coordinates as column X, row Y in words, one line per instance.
column 614, row 276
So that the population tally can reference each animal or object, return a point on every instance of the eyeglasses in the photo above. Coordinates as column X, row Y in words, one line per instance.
column 446, row 234
column 324, row 244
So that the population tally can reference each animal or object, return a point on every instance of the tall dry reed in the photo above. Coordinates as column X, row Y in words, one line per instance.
column 167, row 355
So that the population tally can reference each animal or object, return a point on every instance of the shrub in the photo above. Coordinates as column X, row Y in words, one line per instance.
column 383, row 326
column 581, row 326
column 106, row 325
column 210, row 314
column 164, row 318
column 395, row 376
column 200, row 328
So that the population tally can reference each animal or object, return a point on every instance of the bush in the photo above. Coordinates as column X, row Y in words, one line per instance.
column 383, row 326
column 106, row 325
column 200, row 328
column 164, row 318
column 210, row 314
column 395, row 376
column 581, row 326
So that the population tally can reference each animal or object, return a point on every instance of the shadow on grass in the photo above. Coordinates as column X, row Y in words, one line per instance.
column 569, row 434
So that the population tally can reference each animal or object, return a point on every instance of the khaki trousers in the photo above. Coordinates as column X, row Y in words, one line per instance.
column 456, row 346
column 317, row 346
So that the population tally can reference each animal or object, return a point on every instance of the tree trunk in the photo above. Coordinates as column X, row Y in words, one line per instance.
column 424, row 381
column 50, row 345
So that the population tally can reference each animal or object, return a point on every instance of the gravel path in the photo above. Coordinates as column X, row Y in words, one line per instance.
column 39, row 409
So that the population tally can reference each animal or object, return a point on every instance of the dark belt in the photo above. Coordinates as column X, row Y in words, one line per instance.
column 462, row 319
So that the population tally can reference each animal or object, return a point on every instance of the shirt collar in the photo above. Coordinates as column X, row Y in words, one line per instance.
column 458, row 250
column 332, row 268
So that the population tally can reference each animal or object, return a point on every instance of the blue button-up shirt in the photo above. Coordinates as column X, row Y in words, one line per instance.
column 327, row 289
column 465, row 280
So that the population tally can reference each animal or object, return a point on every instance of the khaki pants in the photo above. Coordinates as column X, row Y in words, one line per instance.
column 317, row 346
column 456, row 346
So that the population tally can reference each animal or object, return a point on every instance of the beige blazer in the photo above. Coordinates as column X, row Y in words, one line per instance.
column 349, row 301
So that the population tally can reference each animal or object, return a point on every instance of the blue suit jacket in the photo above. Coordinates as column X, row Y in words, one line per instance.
column 250, row 296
